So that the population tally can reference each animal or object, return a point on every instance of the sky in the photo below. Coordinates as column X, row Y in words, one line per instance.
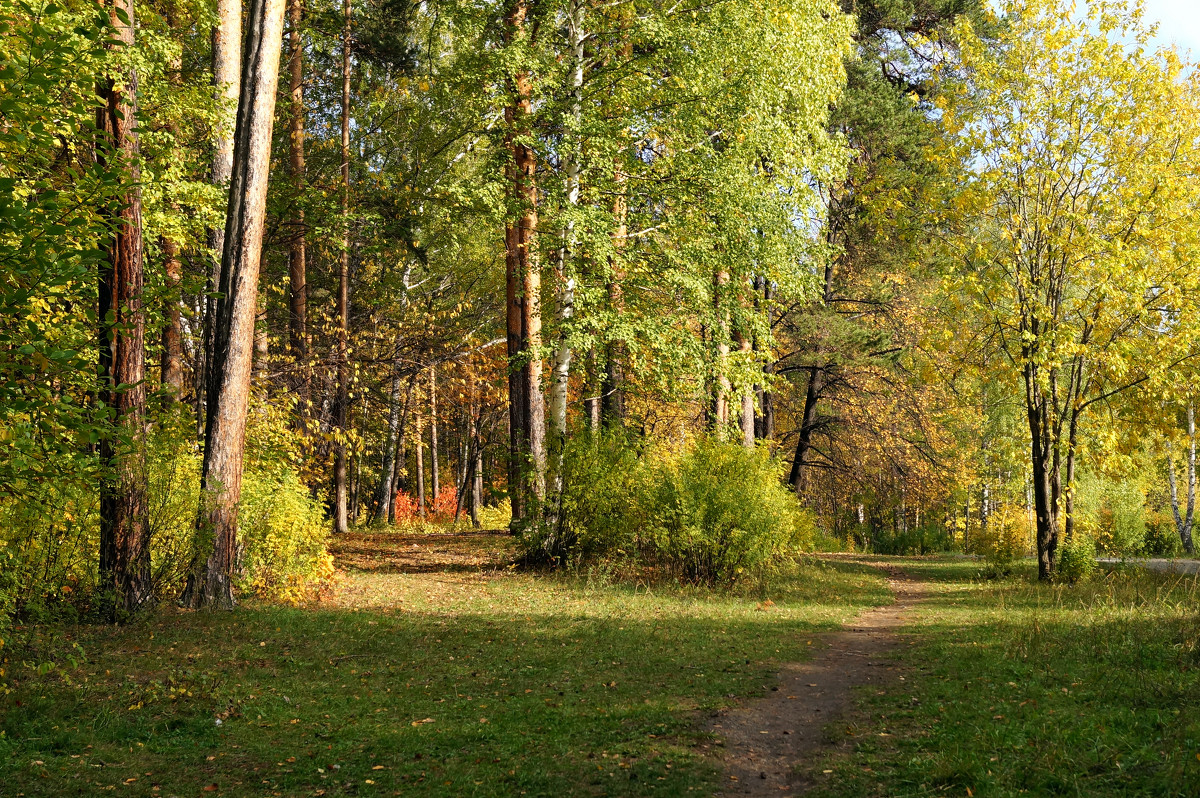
column 1179, row 23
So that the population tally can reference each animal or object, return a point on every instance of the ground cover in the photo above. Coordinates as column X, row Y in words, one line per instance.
column 434, row 669
column 1015, row 688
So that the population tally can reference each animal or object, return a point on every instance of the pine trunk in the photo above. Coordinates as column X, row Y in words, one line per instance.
column 124, row 527
column 297, row 254
column 527, row 429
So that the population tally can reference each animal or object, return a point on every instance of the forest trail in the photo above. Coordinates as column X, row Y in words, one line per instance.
column 765, row 740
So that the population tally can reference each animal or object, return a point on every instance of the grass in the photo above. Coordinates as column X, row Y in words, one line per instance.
column 432, row 671
column 1014, row 688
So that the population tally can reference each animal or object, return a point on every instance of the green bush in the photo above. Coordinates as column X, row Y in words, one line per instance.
column 282, row 537
column 1076, row 560
column 710, row 513
column 1162, row 538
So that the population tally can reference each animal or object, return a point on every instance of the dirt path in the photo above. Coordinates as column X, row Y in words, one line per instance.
column 767, row 739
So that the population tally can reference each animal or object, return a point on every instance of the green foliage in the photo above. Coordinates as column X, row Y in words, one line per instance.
column 720, row 512
column 712, row 513
column 283, row 533
column 1007, row 538
column 1162, row 537
column 1076, row 560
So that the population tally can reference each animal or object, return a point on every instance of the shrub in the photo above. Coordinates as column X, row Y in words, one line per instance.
column 1076, row 560
column 1162, row 538
column 711, row 513
column 282, row 536
column 720, row 512
column 1006, row 538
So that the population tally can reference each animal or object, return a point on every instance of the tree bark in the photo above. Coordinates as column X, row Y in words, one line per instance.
column 171, row 362
column 808, row 423
column 434, row 470
column 341, row 522
column 297, row 254
column 210, row 583
column 420, row 455
column 227, row 71
column 720, row 398
column 124, row 526
column 745, row 346
column 612, row 390
column 1185, row 522
column 386, row 494
column 527, row 449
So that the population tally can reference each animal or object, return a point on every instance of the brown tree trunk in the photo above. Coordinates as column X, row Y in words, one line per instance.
column 210, row 581
column 420, row 454
column 171, row 362
column 612, row 391
column 227, row 70
column 385, row 496
column 124, row 527
column 765, row 426
column 434, row 480
column 720, row 397
column 297, row 255
column 340, row 519
column 527, row 414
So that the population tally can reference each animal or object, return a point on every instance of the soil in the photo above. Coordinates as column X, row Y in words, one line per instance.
column 769, row 742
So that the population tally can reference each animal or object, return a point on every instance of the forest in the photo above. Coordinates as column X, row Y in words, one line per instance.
column 546, row 320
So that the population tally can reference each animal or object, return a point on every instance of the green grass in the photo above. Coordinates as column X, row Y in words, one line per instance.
column 436, row 683
column 1014, row 688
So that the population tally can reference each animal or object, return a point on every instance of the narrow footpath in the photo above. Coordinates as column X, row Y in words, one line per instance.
column 767, row 740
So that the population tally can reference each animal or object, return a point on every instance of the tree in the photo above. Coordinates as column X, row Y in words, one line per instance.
column 1081, row 147
column 124, row 529
column 210, row 581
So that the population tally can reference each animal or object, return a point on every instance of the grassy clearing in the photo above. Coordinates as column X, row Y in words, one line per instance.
column 1014, row 688
column 432, row 671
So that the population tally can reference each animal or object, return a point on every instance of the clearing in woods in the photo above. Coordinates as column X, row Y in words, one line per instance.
column 437, row 669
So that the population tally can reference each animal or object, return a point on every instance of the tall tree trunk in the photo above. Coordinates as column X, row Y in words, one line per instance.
column 420, row 455
column 210, row 581
column 612, row 390
column 171, row 362
column 227, row 71
column 1045, row 464
column 1184, row 522
column 720, row 398
column 476, row 461
column 745, row 347
column 340, row 519
column 591, row 401
column 808, row 424
column 527, row 449
column 765, row 428
column 386, row 494
column 434, row 467
column 297, row 254
column 566, row 297
column 124, row 527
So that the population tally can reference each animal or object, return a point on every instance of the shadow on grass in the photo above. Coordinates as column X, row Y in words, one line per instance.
column 527, row 685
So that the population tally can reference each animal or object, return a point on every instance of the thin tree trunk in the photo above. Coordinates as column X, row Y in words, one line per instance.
column 420, row 466
column 210, row 581
column 720, row 399
column 171, row 362
column 341, row 521
column 566, row 282
column 1184, row 522
column 227, row 71
column 297, row 254
column 527, row 450
column 124, row 526
column 745, row 347
column 434, row 469
column 385, row 496
column 612, row 390
column 591, row 402
column 808, row 423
